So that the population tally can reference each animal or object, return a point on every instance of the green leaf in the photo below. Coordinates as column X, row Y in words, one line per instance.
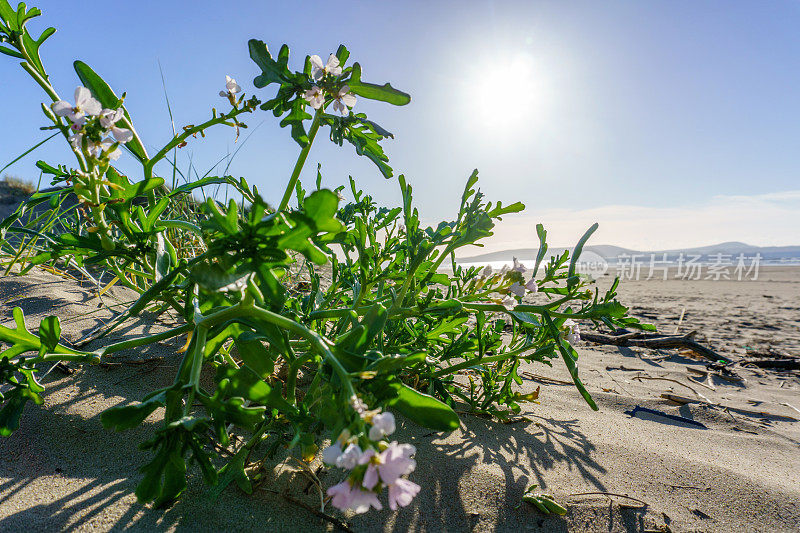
column 126, row 190
column 384, row 93
column 254, row 354
column 49, row 334
column 271, row 71
column 130, row 416
column 423, row 409
column 103, row 92
column 247, row 384
column 11, row 412
column 542, row 233
column 571, row 279
column 295, row 119
column 569, row 361
column 390, row 365
column 21, row 340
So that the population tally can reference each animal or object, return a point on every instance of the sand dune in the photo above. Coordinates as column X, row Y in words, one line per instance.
column 62, row 470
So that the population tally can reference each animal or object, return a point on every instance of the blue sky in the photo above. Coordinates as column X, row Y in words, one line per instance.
column 670, row 123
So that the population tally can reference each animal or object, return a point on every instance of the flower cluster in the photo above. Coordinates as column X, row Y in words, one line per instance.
column 380, row 465
column 518, row 286
column 324, row 75
column 94, row 129
column 573, row 331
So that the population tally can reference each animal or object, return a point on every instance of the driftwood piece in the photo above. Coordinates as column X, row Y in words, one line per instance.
column 642, row 340
column 748, row 412
column 783, row 364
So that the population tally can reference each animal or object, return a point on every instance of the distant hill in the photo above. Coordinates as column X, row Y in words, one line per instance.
column 610, row 252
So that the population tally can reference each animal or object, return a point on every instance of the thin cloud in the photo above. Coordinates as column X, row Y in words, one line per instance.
column 770, row 219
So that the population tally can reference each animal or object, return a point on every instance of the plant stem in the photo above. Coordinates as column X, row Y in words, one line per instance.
column 490, row 359
column 197, row 367
column 148, row 166
column 301, row 160
column 315, row 339
column 525, row 308
column 133, row 343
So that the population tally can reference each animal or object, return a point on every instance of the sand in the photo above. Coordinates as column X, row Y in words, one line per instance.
column 62, row 470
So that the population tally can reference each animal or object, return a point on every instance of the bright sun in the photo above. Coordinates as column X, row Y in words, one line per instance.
column 505, row 95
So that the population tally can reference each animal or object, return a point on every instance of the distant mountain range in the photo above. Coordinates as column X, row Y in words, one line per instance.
column 610, row 253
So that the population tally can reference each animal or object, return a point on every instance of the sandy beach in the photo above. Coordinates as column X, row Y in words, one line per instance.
column 62, row 470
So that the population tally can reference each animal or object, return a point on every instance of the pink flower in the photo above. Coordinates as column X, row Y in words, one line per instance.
column 345, row 496
column 382, row 424
column 344, row 99
column 532, row 286
column 350, row 457
column 362, row 500
column 519, row 267
column 341, row 494
column 401, row 492
column 396, row 461
column 315, row 97
column 371, row 475
column 518, row 289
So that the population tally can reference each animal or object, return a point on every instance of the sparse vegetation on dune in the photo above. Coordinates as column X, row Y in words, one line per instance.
column 294, row 361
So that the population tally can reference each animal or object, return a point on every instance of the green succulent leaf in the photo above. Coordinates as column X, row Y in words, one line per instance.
column 425, row 410
column 383, row 93
column 105, row 95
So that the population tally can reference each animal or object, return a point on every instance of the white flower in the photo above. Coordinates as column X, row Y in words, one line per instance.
column 76, row 140
column 519, row 267
column 98, row 149
column 85, row 105
column 509, row 303
column 344, row 99
column 382, row 425
column 349, row 457
column 487, row 271
column 109, row 119
column 518, row 289
column 315, row 97
column 231, row 87
column 532, row 286
column 320, row 70
column 77, row 126
column 574, row 334
column 331, row 454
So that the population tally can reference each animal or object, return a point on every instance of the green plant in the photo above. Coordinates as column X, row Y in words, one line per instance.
column 389, row 330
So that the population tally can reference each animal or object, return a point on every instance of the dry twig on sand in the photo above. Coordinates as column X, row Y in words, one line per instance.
column 748, row 412
column 328, row 518
column 643, row 340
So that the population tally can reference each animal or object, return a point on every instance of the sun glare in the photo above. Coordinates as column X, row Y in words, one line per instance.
column 506, row 94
